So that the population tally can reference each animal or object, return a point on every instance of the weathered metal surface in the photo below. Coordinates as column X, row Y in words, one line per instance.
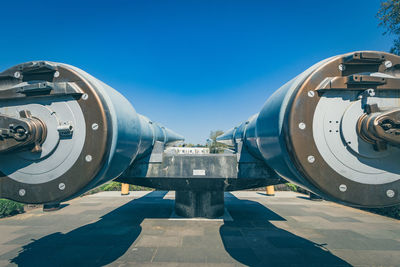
column 212, row 172
column 199, row 180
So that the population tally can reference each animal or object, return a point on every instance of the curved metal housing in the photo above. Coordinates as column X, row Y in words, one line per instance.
column 93, row 132
column 307, row 130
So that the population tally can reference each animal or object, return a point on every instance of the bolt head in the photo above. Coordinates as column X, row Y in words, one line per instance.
column 61, row 186
column 342, row 67
column 88, row 158
column 371, row 92
column 95, row 126
column 17, row 74
column 311, row 159
column 390, row 193
column 388, row 64
column 302, row 125
column 311, row 93
column 56, row 74
column 85, row 96
column 343, row 188
column 22, row 192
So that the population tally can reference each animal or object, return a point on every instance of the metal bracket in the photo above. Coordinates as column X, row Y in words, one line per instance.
column 36, row 66
column 40, row 89
column 28, row 69
column 364, row 58
column 358, row 83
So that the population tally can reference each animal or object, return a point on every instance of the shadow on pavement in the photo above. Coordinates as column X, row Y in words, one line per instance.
column 98, row 243
column 253, row 240
column 250, row 238
column 303, row 197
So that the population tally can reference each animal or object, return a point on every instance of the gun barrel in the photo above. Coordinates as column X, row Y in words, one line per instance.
column 64, row 132
column 334, row 129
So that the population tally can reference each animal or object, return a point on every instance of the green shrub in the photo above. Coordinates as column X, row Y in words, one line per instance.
column 133, row 187
column 116, row 186
column 112, row 186
column 292, row 187
column 9, row 208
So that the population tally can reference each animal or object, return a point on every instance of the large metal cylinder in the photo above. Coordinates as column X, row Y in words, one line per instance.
column 334, row 129
column 91, row 133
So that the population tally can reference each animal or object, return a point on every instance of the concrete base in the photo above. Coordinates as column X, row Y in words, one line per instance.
column 203, row 204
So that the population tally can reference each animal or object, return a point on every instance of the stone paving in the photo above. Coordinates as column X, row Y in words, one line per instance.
column 257, row 230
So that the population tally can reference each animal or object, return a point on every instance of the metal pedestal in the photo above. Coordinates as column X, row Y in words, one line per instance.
column 205, row 204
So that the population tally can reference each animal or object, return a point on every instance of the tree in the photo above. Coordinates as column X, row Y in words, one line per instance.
column 214, row 146
column 389, row 16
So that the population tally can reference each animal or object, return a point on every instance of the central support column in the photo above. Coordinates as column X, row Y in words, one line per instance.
column 206, row 204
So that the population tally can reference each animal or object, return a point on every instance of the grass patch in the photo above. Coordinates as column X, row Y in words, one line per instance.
column 116, row 186
column 9, row 208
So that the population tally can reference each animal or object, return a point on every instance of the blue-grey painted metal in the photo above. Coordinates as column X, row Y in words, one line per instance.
column 269, row 128
column 133, row 135
column 262, row 132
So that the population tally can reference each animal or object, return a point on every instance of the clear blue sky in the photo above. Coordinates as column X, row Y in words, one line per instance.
column 194, row 66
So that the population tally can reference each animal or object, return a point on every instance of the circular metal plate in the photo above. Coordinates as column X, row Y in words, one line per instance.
column 74, row 173
column 334, row 130
column 301, row 143
column 57, row 156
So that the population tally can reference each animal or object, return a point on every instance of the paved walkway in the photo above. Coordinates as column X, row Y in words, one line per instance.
column 138, row 230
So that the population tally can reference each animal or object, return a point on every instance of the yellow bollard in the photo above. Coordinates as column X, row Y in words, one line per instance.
column 270, row 190
column 124, row 189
